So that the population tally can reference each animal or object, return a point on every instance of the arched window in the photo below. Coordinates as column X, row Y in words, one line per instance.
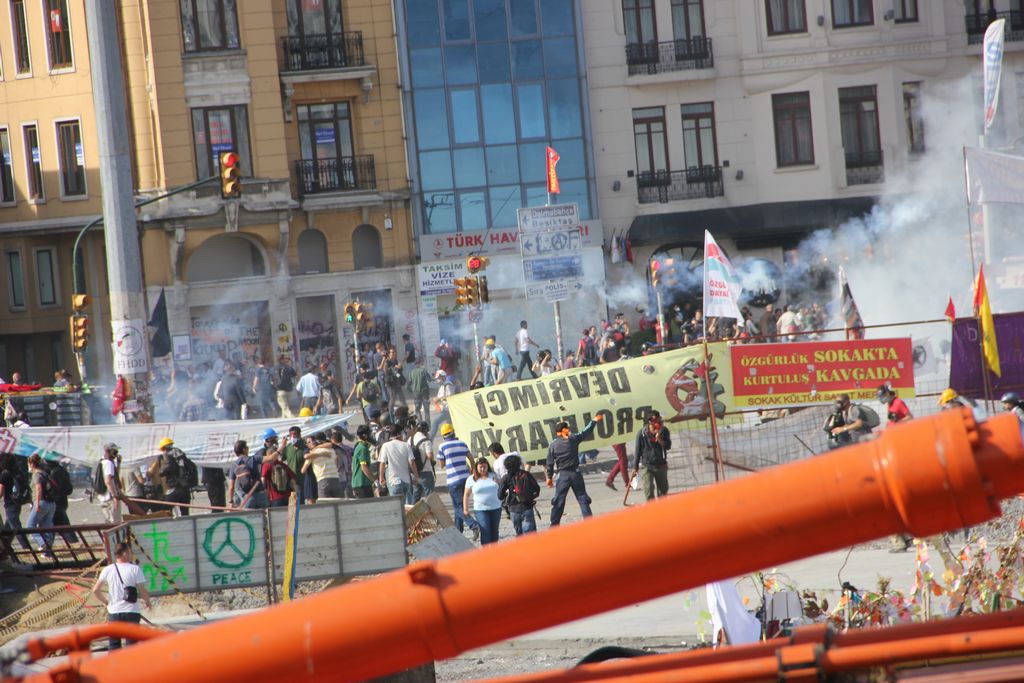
column 312, row 252
column 225, row 257
column 366, row 249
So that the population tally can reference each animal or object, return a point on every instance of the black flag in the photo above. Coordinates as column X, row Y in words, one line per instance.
column 161, row 343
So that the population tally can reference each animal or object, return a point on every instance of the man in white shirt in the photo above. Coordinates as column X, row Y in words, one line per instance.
column 110, row 500
column 309, row 388
column 523, row 343
column 125, row 584
column 787, row 325
column 398, row 466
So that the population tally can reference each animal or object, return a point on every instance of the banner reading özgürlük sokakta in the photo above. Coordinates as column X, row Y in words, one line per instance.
column 521, row 416
column 806, row 373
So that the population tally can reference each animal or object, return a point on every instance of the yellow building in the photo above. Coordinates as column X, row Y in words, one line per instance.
column 306, row 91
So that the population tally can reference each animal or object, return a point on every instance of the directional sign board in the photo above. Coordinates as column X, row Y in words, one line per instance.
column 545, row 268
column 552, row 243
column 544, row 218
column 557, row 290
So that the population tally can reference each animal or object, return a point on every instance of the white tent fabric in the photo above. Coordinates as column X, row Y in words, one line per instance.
column 728, row 613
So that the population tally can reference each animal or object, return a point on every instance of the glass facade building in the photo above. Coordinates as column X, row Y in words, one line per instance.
column 489, row 84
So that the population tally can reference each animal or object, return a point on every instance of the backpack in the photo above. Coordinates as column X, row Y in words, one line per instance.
column 418, row 455
column 869, row 416
column 62, row 478
column 99, row 482
column 280, row 482
column 245, row 478
column 191, row 472
column 589, row 350
column 21, row 491
column 523, row 489
column 51, row 489
column 369, row 391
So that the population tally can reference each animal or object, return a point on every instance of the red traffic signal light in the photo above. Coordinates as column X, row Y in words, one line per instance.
column 230, row 175
column 475, row 264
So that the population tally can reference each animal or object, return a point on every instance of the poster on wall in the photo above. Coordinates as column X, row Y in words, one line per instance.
column 317, row 343
column 241, row 332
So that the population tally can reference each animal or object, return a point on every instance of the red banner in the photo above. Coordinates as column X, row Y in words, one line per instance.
column 803, row 373
column 552, row 158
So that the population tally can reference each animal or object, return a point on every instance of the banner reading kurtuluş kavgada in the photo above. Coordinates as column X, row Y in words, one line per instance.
column 521, row 416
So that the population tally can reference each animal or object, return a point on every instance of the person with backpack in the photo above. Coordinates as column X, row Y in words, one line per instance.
column 520, row 490
column 278, row 479
column 179, row 474
column 65, row 487
column 283, row 380
column 860, row 420
column 586, row 352
column 368, row 392
column 294, row 454
column 125, row 583
column 423, row 450
column 106, row 483
column 44, row 494
column 245, row 488
column 16, row 493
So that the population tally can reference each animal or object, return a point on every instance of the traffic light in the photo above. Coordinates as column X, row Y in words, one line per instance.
column 485, row 295
column 230, row 175
column 655, row 273
column 475, row 264
column 461, row 291
column 350, row 313
column 364, row 317
column 79, row 332
column 472, row 291
column 79, row 302
column 669, row 273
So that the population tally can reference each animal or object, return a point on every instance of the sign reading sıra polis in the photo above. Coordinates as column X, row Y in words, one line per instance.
column 804, row 373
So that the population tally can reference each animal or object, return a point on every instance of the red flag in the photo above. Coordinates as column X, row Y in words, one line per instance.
column 950, row 310
column 55, row 22
column 552, row 158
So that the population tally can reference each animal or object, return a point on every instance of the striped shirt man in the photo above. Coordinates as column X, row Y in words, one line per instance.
column 454, row 455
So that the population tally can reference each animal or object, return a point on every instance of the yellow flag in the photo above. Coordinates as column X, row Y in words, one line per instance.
column 983, row 311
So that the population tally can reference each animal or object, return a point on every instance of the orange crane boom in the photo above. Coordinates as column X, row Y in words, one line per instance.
column 923, row 477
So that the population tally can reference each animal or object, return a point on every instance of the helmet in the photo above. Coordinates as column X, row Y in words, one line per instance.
column 268, row 434
column 447, row 429
column 306, row 412
column 1011, row 397
column 165, row 442
column 947, row 396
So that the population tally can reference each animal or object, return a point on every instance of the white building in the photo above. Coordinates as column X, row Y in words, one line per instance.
column 763, row 120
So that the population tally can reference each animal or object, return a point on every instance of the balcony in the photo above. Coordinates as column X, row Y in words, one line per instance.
column 977, row 23
column 696, row 182
column 316, row 52
column 344, row 174
column 675, row 55
column 865, row 168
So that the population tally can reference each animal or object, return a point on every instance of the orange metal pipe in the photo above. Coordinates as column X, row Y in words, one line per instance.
column 922, row 477
column 78, row 639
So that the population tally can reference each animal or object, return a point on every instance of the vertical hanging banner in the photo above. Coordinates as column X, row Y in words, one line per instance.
column 992, row 61
column 722, row 288
column 552, row 159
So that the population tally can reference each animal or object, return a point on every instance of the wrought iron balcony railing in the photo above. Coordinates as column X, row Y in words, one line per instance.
column 696, row 182
column 323, row 51
column 675, row 55
column 344, row 174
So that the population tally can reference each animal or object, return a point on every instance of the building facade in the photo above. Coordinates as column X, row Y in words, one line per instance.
column 765, row 120
column 488, row 86
column 307, row 94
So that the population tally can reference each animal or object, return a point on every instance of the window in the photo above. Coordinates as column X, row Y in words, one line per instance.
column 58, row 34
column 786, row 16
column 325, row 131
column 312, row 252
column 858, row 121
column 46, row 276
column 71, row 159
column 794, row 144
column 209, row 25
column 19, row 25
column 847, row 13
column 912, row 116
column 17, row 279
column 649, row 136
column 6, row 169
column 366, row 249
column 216, row 130
column 315, row 38
column 639, row 20
column 316, row 18
column 33, row 162
column 699, row 146
column 687, row 19
column 905, row 11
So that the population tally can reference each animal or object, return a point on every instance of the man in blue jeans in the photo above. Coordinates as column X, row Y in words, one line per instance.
column 453, row 456
column 564, row 456
column 519, row 491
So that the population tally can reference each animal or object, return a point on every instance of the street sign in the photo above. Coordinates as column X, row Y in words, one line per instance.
column 553, row 217
column 475, row 315
column 552, row 243
column 544, row 268
column 557, row 290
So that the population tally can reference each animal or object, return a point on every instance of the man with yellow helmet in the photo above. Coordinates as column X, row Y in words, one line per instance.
column 177, row 472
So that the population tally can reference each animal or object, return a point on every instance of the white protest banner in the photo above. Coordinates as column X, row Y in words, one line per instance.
column 205, row 443
column 992, row 67
column 994, row 178
column 722, row 288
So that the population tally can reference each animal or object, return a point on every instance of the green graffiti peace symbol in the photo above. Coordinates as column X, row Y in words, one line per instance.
column 221, row 547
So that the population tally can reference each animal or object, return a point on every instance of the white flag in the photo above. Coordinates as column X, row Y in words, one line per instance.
column 993, row 177
column 992, row 66
column 722, row 288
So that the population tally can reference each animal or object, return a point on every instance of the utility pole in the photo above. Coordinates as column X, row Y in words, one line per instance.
column 124, row 258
